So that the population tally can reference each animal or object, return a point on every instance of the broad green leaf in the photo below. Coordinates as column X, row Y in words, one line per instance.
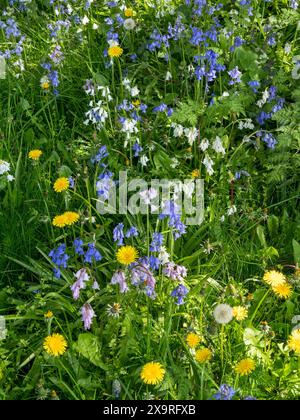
column 261, row 236
column 296, row 247
column 88, row 346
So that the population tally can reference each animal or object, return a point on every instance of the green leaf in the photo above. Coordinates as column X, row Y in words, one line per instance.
column 188, row 113
column 101, row 79
column 270, row 252
column 252, row 337
column 246, row 58
column 296, row 247
column 161, row 160
column 261, row 236
column 88, row 346
column 273, row 225
column 65, row 171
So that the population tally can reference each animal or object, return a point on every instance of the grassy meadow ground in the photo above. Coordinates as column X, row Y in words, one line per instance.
column 142, row 306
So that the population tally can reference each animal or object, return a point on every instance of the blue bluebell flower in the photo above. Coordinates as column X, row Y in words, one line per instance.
column 154, row 263
column 235, row 75
column 137, row 148
column 118, row 234
column 109, row 21
column 60, row 258
column 133, row 57
column 160, row 108
column 272, row 93
column 263, row 117
column 270, row 140
column 92, row 254
column 102, row 153
column 78, row 246
column 104, row 185
column 71, row 182
column 254, row 84
column 141, row 276
column 271, row 40
column 225, row 393
column 157, row 241
column 57, row 273
column 277, row 107
column 239, row 174
column 180, row 292
column 237, row 43
column 132, row 232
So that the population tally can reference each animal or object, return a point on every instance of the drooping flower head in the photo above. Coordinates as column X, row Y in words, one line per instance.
column 225, row 393
column 92, row 254
column 82, row 277
column 78, row 246
column 157, row 241
column 120, row 279
column 180, row 292
column 118, row 234
column 141, row 276
column 88, row 314
column 175, row 271
column 60, row 258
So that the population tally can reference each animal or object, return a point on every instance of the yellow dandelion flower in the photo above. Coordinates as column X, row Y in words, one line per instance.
column 245, row 367
column 283, row 290
column 128, row 13
column 35, row 154
column 240, row 313
column 136, row 103
column 48, row 315
column 60, row 221
column 115, row 51
column 45, row 85
column 152, row 373
column 193, row 340
column 203, row 355
column 71, row 217
column 55, row 344
column 274, row 278
column 61, row 184
column 127, row 255
column 294, row 342
column 195, row 173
